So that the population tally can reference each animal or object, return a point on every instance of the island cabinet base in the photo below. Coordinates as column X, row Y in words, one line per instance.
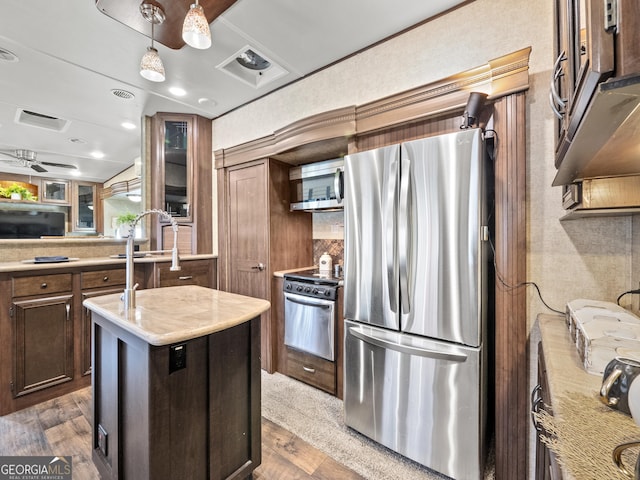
column 188, row 410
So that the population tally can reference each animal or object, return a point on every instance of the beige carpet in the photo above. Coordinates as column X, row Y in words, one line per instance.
column 317, row 418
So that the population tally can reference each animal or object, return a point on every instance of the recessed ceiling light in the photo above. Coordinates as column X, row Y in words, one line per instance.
column 128, row 125
column 177, row 91
column 97, row 154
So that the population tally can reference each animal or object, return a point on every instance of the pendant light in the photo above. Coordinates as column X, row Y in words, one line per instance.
column 195, row 29
column 151, row 66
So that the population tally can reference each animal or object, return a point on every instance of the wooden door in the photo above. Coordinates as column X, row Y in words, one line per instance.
column 249, row 231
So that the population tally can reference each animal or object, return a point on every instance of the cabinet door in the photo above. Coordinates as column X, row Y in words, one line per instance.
column 177, row 152
column 43, row 343
column 249, row 231
column 55, row 191
column 84, row 207
column 561, row 80
column 85, row 327
column 591, row 56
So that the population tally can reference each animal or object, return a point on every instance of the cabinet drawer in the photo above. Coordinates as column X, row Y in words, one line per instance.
column 103, row 278
column 197, row 272
column 41, row 284
column 313, row 370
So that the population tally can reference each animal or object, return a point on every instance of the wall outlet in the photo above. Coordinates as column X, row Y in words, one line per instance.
column 177, row 357
column 103, row 437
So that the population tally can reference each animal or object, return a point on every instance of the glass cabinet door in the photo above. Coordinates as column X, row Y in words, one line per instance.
column 55, row 191
column 84, row 203
column 177, row 169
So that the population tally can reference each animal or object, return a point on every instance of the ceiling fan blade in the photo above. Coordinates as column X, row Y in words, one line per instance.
column 8, row 154
column 61, row 165
column 37, row 168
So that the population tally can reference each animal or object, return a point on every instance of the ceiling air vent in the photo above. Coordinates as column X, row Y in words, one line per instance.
column 252, row 67
column 41, row 120
column 124, row 94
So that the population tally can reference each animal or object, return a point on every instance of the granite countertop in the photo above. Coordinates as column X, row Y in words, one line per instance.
column 26, row 265
column 175, row 314
column 591, row 428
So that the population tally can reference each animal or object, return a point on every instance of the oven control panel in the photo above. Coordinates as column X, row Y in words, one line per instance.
column 308, row 289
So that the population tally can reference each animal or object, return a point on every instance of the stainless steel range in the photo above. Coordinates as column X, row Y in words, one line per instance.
column 310, row 313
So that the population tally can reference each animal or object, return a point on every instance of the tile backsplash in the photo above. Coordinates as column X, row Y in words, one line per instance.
column 335, row 248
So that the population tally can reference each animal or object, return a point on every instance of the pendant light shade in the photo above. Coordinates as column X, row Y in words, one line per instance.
column 195, row 29
column 151, row 66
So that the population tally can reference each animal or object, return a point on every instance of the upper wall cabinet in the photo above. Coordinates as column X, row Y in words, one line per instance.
column 86, row 207
column 181, row 166
column 54, row 191
column 595, row 87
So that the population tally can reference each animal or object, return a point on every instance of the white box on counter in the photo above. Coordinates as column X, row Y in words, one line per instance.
column 602, row 331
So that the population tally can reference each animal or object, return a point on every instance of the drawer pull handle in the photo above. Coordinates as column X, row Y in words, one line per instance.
column 105, row 278
column 309, row 369
column 43, row 285
column 186, row 277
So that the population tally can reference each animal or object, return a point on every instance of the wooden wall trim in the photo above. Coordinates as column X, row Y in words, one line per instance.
column 336, row 123
column 499, row 77
column 511, row 345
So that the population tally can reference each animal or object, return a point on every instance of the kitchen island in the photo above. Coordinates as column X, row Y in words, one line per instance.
column 176, row 384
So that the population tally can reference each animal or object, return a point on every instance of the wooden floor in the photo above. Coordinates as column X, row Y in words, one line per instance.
column 63, row 427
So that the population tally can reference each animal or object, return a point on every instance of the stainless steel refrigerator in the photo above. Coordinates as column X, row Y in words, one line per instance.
column 415, row 293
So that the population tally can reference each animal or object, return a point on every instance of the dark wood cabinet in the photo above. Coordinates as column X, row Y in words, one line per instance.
column 45, row 331
column 43, row 346
column 547, row 467
column 181, row 166
column 597, row 54
column 259, row 235
column 199, row 422
column 94, row 283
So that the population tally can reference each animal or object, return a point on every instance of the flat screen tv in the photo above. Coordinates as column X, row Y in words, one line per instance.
column 31, row 224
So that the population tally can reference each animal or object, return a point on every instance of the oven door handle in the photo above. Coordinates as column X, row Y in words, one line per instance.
column 310, row 303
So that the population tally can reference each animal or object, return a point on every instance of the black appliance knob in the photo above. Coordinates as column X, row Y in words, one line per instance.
column 288, row 286
column 299, row 288
column 327, row 293
column 315, row 291
column 307, row 289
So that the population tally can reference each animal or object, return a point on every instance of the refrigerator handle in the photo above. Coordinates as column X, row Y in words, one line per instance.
column 390, row 235
column 404, row 243
column 408, row 349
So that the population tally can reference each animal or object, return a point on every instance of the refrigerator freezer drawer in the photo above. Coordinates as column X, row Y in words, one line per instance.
column 421, row 398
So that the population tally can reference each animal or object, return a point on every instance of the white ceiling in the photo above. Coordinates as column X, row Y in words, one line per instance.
column 71, row 56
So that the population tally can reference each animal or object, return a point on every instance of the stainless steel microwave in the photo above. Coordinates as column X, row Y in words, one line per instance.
column 317, row 186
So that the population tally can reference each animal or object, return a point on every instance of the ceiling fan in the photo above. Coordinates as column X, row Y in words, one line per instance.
column 27, row 158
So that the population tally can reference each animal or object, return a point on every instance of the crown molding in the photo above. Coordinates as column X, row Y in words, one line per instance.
column 498, row 77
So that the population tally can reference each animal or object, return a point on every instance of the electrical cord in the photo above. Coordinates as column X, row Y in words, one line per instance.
column 493, row 141
column 636, row 292
column 510, row 288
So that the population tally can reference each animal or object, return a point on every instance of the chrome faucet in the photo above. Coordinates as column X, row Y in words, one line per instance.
column 129, row 295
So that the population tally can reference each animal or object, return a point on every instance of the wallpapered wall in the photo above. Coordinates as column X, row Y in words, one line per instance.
column 596, row 258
